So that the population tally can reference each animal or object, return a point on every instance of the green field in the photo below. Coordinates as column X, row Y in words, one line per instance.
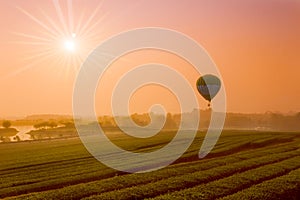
column 243, row 165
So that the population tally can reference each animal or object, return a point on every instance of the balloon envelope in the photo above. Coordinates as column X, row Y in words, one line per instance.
column 208, row 86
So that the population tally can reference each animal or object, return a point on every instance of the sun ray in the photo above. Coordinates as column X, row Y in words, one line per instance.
column 92, row 16
column 79, row 60
column 64, row 71
column 79, row 23
column 31, row 43
column 93, row 26
column 37, row 21
column 92, row 36
column 88, row 35
column 63, row 39
column 31, row 65
column 68, row 65
column 60, row 15
column 31, row 36
column 61, row 61
column 41, row 54
column 46, row 34
column 123, row 12
column 70, row 15
column 50, row 20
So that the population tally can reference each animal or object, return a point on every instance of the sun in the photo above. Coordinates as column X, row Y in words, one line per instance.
column 70, row 44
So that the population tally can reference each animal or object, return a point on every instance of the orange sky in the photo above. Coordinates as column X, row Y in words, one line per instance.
column 255, row 45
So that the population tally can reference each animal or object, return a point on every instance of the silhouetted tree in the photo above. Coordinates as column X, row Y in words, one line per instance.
column 17, row 138
column 45, row 125
column 52, row 124
column 141, row 119
column 6, row 124
column 170, row 123
column 68, row 124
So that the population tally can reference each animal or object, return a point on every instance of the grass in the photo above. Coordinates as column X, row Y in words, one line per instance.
column 8, row 132
column 242, row 163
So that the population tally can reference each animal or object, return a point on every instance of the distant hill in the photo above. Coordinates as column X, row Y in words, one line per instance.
column 269, row 121
column 48, row 117
column 34, row 119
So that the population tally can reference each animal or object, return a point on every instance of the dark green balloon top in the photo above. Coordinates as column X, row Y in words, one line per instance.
column 208, row 86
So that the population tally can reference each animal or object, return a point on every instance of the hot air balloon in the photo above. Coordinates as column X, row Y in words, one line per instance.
column 208, row 86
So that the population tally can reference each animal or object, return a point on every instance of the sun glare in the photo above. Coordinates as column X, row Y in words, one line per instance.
column 65, row 42
column 70, row 45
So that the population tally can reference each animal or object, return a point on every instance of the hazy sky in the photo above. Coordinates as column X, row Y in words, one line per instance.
column 254, row 43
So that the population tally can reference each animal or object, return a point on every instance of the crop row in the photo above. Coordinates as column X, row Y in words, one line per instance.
column 283, row 187
column 22, row 155
column 236, row 182
column 120, row 182
column 192, row 179
column 41, row 172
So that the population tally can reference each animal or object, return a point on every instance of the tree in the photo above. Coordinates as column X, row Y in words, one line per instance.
column 45, row 125
column 170, row 123
column 6, row 124
column 52, row 124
